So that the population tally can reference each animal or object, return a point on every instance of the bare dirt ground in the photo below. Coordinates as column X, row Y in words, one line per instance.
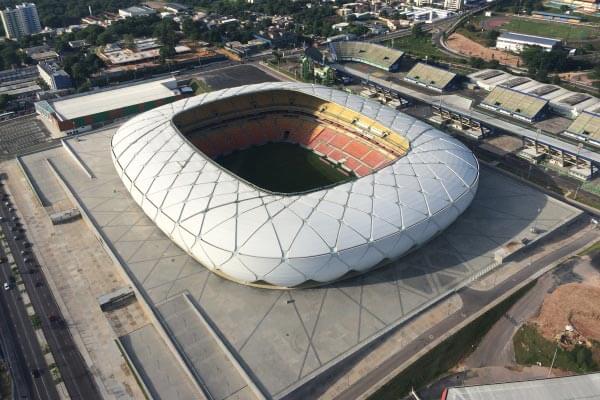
column 577, row 77
column 494, row 23
column 575, row 304
column 468, row 47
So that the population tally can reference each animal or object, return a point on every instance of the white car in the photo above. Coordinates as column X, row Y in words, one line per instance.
column 6, row 286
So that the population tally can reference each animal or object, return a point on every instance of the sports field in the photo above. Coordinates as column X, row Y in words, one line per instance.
column 550, row 29
column 282, row 167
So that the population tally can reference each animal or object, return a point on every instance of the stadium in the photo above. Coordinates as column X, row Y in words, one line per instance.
column 292, row 185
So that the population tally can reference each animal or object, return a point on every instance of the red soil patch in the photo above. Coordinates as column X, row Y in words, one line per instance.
column 468, row 47
column 571, row 304
column 494, row 22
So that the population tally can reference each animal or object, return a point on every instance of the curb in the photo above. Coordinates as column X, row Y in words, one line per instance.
column 373, row 389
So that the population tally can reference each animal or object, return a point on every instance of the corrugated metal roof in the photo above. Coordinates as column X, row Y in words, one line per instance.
column 431, row 76
column 515, row 102
column 542, row 41
column 581, row 387
column 586, row 124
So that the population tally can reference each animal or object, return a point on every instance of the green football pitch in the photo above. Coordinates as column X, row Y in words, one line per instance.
column 282, row 167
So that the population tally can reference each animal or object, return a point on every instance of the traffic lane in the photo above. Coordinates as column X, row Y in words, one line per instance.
column 40, row 377
column 472, row 300
column 16, row 360
column 74, row 372
column 496, row 349
column 73, row 369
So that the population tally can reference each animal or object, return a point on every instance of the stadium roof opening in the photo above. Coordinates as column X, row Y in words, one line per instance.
column 345, row 139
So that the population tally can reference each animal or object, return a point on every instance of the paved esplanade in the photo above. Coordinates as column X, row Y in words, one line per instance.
column 286, row 336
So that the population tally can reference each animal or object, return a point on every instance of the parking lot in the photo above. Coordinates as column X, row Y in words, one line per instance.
column 20, row 134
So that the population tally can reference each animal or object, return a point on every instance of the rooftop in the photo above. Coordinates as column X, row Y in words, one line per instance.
column 515, row 102
column 377, row 55
column 52, row 68
column 586, row 124
column 565, row 388
column 106, row 100
column 430, row 76
column 549, row 14
column 520, row 37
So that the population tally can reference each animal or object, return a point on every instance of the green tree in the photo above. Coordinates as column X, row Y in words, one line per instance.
column 105, row 38
column 166, row 52
column 9, row 55
column 129, row 42
column 165, row 33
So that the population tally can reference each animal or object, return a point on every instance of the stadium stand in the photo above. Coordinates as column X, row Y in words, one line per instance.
column 343, row 137
column 560, row 100
column 586, row 127
column 516, row 104
column 430, row 77
column 367, row 53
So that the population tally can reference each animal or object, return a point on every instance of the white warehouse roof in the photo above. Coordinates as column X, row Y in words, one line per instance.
column 251, row 235
column 111, row 99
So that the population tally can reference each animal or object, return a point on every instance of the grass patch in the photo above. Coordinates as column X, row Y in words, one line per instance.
column 593, row 249
column 531, row 347
column 282, row 167
column 419, row 46
column 54, row 371
column 448, row 353
column 550, row 29
column 199, row 86
column 35, row 321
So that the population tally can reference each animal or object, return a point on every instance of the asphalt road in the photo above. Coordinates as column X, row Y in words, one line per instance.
column 75, row 375
column 20, row 344
column 496, row 348
column 473, row 301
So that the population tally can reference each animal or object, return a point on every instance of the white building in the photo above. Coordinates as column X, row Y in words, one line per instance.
column 136, row 11
column 20, row 21
column 516, row 42
column 453, row 5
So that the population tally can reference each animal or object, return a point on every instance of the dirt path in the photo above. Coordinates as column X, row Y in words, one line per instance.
column 468, row 47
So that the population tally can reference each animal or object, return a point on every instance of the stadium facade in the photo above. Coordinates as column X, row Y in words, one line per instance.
column 410, row 182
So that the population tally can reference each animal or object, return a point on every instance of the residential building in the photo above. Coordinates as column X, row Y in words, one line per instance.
column 55, row 77
column 20, row 21
column 41, row 53
column 453, row 5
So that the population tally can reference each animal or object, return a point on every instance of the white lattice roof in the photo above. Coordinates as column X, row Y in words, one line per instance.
column 251, row 235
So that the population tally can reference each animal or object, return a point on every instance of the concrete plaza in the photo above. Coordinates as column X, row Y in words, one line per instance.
column 282, row 338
